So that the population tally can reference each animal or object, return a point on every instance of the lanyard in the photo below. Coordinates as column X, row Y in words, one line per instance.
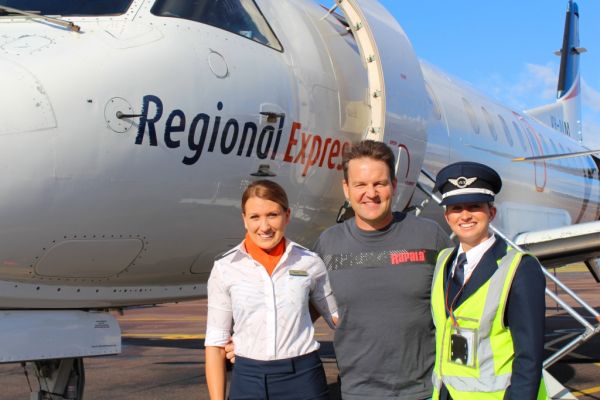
column 450, row 309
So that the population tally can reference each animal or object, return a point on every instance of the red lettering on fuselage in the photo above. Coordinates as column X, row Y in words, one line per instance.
column 313, row 150
column 302, row 153
column 292, row 142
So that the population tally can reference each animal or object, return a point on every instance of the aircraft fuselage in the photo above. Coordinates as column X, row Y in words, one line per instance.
column 101, row 211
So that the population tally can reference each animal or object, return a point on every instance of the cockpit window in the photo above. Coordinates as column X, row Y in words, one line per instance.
column 241, row 17
column 69, row 7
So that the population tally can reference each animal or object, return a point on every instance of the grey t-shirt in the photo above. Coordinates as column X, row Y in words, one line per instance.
column 384, row 343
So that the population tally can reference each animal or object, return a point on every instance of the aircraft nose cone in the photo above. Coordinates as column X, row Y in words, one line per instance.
column 24, row 105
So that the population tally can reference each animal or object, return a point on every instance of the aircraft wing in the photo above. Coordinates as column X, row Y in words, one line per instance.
column 565, row 245
column 560, row 156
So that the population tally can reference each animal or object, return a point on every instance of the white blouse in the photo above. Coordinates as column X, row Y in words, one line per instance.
column 269, row 314
column 474, row 256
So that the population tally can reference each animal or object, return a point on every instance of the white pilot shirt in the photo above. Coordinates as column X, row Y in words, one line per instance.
column 474, row 256
column 269, row 314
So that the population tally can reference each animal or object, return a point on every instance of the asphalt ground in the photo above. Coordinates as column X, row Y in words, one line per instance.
column 163, row 358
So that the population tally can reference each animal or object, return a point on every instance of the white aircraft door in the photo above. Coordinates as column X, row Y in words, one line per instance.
column 398, row 99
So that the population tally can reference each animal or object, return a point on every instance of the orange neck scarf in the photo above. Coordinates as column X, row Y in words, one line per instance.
column 267, row 259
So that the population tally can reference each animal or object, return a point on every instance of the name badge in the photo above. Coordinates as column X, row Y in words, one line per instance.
column 463, row 346
column 298, row 272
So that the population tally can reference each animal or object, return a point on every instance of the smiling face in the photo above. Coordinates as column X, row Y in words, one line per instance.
column 265, row 222
column 470, row 222
column 370, row 192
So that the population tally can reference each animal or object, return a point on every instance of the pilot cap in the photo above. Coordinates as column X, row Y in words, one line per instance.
column 467, row 182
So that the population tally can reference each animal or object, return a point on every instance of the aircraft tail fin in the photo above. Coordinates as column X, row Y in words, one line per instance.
column 565, row 114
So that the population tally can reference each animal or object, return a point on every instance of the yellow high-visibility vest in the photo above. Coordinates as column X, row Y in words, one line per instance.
column 482, row 314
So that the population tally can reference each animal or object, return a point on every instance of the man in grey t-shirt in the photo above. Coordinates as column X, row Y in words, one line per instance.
column 380, row 265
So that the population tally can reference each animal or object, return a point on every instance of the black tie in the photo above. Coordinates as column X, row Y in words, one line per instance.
column 459, row 270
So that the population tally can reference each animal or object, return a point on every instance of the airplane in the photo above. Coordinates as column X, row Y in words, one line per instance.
column 129, row 129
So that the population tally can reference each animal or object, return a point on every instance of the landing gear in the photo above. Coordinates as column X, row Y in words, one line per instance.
column 59, row 379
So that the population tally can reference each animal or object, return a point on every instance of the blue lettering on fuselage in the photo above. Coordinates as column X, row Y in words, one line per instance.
column 243, row 135
column 150, row 122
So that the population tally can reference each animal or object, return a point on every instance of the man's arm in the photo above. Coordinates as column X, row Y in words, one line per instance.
column 443, row 241
column 525, row 316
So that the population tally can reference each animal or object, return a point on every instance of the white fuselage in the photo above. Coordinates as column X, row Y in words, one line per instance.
column 535, row 195
column 99, row 211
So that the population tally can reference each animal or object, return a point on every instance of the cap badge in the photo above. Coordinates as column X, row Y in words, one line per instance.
column 462, row 182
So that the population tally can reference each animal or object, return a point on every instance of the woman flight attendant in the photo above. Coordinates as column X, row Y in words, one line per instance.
column 258, row 296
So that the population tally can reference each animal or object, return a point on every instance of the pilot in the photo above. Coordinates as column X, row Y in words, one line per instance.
column 260, row 291
column 487, row 299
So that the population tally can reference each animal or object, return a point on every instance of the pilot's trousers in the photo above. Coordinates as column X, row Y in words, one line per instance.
column 297, row 378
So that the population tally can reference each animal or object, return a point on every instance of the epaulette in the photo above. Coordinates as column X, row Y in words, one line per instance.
column 301, row 247
column 224, row 254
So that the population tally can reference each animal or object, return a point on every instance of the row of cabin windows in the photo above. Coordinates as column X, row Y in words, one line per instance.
column 492, row 126
column 535, row 141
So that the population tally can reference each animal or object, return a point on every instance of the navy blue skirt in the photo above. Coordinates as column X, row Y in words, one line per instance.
column 297, row 378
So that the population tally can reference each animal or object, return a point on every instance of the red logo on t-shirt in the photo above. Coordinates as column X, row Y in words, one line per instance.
column 407, row 256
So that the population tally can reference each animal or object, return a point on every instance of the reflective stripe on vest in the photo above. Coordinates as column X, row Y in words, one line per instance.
column 480, row 385
column 483, row 377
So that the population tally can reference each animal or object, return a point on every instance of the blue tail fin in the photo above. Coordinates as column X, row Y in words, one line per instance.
column 565, row 114
column 568, row 80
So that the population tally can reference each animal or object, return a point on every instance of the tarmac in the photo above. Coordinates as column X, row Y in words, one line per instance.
column 163, row 357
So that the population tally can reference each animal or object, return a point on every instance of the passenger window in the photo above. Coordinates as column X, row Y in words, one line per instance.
column 545, row 145
column 471, row 115
column 241, row 17
column 509, row 138
column 490, row 123
column 520, row 135
column 534, row 143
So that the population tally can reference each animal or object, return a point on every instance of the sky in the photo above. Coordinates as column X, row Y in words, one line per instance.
column 505, row 48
